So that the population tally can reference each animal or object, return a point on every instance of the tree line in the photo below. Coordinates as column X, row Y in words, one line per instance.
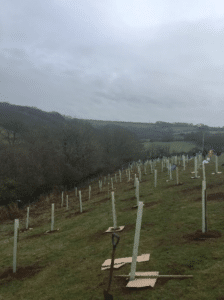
column 35, row 159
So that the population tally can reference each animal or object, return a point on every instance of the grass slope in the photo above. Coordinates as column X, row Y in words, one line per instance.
column 67, row 264
column 177, row 146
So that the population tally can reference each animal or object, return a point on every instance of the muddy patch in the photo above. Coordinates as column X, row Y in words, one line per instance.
column 41, row 234
column 130, row 198
column 21, row 274
column 174, row 269
column 173, row 185
column 219, row 197
column 151, row 204
column 101, row 201
column 199, row 236
column 72, row 215
column 134, row 206
column 98, row 235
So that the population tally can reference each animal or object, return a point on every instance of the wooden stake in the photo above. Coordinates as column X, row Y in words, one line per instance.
column 27, row 218
column 52, row 216
column 177, row 175
column 62, row 199
column 80, row 201
column 16, row 227
column 155, row 276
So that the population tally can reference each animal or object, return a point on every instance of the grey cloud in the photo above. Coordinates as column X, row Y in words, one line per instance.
column 81, row 53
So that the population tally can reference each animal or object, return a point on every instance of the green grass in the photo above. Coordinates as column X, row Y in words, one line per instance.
column 67, row 264
column 177, row 146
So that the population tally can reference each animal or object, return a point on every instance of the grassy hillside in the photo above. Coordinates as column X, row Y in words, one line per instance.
column 67, row 264
column 177, row 146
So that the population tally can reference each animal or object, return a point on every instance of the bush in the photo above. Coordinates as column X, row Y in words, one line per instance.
column 8, row 191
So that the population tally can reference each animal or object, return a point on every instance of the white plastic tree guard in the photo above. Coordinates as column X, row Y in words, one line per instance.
column 80, row 201
column 155, row 175
column 204, row 220
column 140, row 175
column 203, row 171
column 120, row 174
column 177, row 175
column 136, row 240
column 137, row 191
column 171, row 178
column 114, row 211
column 100, row 185
column 195, row 167
column 52, row 216
column 27, row 217
column 184, row 162
column 16, row 227
column 112, row 186
column 115, row 227
column 216, row 165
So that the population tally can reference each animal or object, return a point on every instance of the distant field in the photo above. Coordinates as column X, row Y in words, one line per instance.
column 177, row 146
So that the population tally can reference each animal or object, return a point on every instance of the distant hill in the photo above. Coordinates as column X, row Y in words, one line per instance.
column 155, row 130
column 32, row 116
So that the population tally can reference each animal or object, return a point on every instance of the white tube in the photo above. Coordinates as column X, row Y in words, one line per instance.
column 136, row 240
column 155, row 174
column 16, row 226
column 114, row 211
column 203, row 206
column 137, row 191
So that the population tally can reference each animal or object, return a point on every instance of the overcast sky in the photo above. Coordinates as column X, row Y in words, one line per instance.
column 118, row 60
